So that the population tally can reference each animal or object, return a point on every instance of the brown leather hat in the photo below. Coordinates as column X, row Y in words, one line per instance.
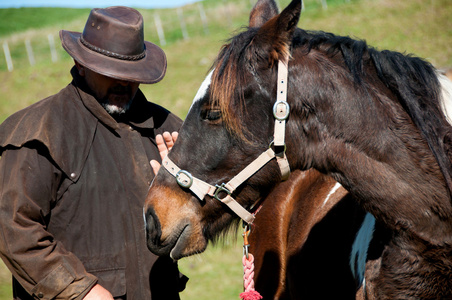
column 112, row 44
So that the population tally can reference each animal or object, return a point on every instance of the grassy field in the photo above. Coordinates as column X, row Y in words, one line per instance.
column 413, row 26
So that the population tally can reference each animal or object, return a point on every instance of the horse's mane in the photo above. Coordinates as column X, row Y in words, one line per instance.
column 413, row 80
column 228, row 79
column 405, row 75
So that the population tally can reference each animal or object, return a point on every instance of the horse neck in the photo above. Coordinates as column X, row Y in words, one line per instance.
column 380, row 157
column 405, row 192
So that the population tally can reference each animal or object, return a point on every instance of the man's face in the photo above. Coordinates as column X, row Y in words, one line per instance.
column 113, row 94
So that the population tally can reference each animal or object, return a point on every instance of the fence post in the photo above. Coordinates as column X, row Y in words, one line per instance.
column 160, row 32
column 226, row 9
column 31, row 57
column 202, row 13
column 182, row 23
column 9, row 61
column 53, row 52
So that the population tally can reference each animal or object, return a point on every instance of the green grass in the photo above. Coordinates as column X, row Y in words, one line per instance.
column 413, row 26
column 16, row 20
column 5, row 283
column 216, row 274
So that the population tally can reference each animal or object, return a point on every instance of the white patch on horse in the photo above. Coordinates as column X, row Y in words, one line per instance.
column 358, row 255
column 203, row 88
column 333, row 190
column 446, row 96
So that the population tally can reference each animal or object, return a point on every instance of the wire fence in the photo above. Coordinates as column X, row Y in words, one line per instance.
column 163, row 27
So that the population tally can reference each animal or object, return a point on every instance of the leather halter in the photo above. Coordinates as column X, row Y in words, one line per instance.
column 201, row 188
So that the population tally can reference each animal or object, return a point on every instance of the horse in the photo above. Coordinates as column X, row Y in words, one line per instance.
column 372, row 120
column 292, row 237
column 304, row 235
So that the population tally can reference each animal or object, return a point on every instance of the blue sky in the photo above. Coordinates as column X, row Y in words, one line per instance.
column 94, row 3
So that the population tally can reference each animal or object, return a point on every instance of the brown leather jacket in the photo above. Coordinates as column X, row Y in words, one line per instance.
column 72, row 186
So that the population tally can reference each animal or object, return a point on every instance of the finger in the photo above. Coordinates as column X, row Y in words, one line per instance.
column 168, row 140
column 155, row 166
column 175, row 135
column 161, row 146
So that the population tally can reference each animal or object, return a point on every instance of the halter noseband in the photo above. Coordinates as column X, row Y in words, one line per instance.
column 201, row 188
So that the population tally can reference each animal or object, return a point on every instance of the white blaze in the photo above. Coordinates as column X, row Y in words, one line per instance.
column 203, row 89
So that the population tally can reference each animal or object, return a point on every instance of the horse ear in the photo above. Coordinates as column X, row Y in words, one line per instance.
column 288, row 20
column 262, row 12
column 274, row 38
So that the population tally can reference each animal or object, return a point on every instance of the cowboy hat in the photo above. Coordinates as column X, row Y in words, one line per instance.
column 112, row 44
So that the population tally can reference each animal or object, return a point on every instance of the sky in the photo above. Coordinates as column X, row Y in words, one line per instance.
column 94, row 3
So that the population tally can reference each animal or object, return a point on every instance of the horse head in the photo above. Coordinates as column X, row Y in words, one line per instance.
column 370, row 119
column 230, row 120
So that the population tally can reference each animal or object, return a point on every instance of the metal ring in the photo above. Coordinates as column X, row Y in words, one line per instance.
column 221, row 188
column 271, row 145
column 276, row 113
column 184, row 179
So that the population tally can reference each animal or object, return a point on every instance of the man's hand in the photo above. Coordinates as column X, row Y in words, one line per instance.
column 164, row 143
column 98, row 293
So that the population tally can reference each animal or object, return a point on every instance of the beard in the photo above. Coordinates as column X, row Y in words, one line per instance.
column 118, row 100
column 115, row 109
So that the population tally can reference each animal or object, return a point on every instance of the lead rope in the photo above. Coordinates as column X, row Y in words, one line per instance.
column 248, row 269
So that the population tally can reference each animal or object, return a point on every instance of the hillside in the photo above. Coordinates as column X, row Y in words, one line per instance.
column 413, row 26
column 423, row 28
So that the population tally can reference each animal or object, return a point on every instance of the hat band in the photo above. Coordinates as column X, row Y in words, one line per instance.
column 113, row 54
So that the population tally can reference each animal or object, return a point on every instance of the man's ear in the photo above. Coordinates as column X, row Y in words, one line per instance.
column 80, row 68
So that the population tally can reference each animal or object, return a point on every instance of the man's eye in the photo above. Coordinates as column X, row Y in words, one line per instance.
column 211, row 115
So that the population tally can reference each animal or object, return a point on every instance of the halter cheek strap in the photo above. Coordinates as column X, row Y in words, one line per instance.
column 281, row 111
column 201, row 188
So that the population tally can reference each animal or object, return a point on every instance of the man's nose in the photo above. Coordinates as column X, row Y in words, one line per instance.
column 123, row 82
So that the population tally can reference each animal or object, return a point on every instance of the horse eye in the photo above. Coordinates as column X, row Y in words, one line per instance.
column 211, row 115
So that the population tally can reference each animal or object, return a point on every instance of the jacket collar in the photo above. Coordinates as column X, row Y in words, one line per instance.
column 139, row 115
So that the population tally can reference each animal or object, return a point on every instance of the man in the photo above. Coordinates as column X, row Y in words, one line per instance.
column 75, row 170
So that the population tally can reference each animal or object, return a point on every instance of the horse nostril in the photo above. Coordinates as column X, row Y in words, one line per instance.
column 153, row 230
column 150, row 226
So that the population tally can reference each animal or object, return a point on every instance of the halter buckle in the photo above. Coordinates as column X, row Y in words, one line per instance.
column 184, row 179
column 221, row 188
column 281, row 110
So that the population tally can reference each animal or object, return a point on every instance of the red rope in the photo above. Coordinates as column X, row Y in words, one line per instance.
column 248, row 279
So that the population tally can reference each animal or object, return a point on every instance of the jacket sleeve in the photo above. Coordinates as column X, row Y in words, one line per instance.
column 28, row 189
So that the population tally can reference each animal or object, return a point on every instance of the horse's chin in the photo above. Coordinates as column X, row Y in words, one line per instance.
column 178, row 250
column 184, row 244
column 187, row 244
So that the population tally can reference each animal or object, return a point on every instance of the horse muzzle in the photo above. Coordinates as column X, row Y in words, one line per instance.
column 176, row 245
column 169, row 220
column 154, row 234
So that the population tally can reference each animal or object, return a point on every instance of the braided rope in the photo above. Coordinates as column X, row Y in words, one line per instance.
column 112, row 54
column 248, row 279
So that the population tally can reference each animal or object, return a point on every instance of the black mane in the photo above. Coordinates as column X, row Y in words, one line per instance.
column 405, row 75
